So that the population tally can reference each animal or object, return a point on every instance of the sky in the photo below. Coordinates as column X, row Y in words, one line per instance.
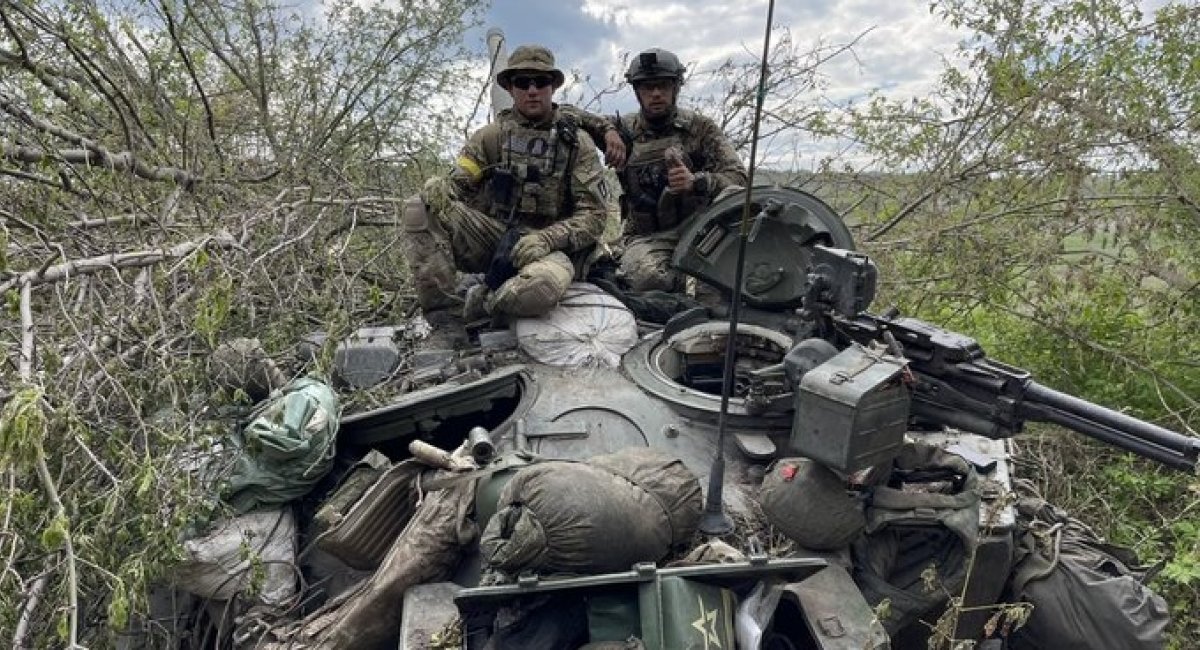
column 901, row 47
column 900, row 44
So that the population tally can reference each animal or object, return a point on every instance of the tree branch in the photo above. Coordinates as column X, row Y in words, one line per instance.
column 31, row 602
column 95, row 156
column 93, row 153
column 116, row 261
column 25, row 365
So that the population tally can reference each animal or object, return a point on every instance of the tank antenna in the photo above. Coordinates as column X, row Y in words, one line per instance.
column 715, row 521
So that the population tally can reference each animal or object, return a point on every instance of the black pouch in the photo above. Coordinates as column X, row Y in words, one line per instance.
column 502, row 186
column 501, row 267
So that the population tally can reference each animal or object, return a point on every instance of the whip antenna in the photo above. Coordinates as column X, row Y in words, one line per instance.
column 715, row 521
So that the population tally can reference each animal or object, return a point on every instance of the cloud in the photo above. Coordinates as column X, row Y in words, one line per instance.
column 900, row 46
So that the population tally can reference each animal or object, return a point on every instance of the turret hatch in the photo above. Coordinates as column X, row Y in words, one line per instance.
column 784, row 224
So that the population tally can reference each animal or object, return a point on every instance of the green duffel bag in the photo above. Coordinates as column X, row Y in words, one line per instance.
column 1085, row 593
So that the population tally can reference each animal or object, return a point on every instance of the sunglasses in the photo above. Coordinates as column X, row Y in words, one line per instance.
column 524, row 82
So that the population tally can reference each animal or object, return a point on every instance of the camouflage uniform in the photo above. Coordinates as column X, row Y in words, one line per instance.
column 650, row 215
column 465, row 224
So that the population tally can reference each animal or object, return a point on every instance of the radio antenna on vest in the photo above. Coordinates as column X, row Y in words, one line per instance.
column 714, row 520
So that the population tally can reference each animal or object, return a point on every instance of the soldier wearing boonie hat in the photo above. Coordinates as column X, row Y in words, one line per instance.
column 524, row 205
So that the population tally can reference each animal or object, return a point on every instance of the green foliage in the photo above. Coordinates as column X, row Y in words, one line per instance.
column 213, row 309
column 23, row 427
column 118, row 607
column 1183, row 568
column 1052, row 215
column 270, row 145
column 55, row 535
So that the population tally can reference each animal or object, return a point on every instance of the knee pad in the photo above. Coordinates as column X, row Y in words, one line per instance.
column 536, row 289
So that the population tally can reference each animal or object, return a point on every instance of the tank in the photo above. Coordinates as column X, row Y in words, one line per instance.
column 815, row 376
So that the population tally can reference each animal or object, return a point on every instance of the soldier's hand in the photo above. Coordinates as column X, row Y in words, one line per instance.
column 614, row 149
column 530, row 248
column 680, row 179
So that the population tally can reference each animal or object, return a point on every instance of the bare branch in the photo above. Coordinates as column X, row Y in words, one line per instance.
column 95, row 156
column 117, row 261
column 25, row 365
column 32, row 598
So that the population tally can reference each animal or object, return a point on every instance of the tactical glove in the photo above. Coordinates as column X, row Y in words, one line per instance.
column 530, row 248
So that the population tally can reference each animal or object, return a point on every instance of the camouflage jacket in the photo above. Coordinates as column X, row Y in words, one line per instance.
column 706, row 151
column 516, row 170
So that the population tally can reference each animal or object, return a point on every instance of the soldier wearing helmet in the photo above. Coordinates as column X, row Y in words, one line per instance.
column 672, row 162
column 524, row 204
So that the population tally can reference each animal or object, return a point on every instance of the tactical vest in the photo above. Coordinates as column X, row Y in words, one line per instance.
column 645, row 175
column 531, row 186
column 644, row 179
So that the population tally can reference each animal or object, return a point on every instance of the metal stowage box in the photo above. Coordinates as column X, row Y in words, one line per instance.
column 851, row 411
column 682, row 614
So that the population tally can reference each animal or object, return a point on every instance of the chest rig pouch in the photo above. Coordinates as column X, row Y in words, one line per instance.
column 531, row 187
column 644, row 179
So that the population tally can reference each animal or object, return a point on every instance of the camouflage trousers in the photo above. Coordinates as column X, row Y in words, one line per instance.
column 646, row 262
column 460, row 238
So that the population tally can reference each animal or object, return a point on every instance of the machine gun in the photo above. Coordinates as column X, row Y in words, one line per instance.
column 939, row 377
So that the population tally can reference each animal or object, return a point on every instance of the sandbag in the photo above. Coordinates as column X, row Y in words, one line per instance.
column 922, row 517
column 1085, row 593
column 587, row 328
column 219, row 564
column 567, row 516
column 242, row 364
column 808, row 503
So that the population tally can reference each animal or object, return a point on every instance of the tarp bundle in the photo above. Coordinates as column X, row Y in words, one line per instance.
column 922, row 522
column 598, row 516
column 427, row 550
column 1085, row 593
column 286, row 449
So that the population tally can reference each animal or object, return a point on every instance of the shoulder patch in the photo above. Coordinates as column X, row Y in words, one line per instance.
column 468, row 165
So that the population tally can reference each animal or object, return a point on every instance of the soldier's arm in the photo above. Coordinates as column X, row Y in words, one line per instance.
column 723, row 168
column 585, row 225
column 601, row 129
column 472, row 162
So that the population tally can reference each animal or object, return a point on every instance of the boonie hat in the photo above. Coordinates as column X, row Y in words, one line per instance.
column 529, row 58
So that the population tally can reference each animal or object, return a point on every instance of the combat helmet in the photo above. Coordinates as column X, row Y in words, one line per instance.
column 655, row 63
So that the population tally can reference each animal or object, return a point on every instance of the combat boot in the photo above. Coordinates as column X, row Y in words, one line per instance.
column 475, row 305
column 447, row 335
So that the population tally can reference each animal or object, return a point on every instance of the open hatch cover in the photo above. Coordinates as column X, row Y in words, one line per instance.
column 778, row 258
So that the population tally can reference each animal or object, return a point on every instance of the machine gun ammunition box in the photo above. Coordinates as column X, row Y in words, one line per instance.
column 851, row 411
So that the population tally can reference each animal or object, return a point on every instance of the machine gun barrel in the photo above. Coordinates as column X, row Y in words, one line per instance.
column 957, row 385
column 1129, row 433
column 952, row 381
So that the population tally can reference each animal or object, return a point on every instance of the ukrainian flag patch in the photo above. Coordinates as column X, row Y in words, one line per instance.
column 468, row 164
